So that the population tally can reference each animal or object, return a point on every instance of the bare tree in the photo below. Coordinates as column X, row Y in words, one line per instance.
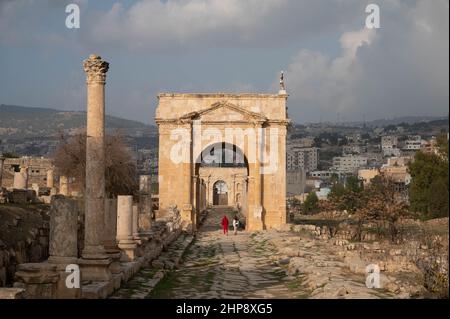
column 70, row 160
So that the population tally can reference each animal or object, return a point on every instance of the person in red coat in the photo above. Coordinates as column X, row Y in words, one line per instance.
column 225, row 225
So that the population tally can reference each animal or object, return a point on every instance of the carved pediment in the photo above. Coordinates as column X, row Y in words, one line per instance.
column 225, row 111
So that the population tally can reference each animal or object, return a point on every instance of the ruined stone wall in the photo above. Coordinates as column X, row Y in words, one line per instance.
column 24, row 237
column 37, row 170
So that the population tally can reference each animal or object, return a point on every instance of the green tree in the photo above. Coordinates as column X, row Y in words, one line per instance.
column 311, row 203
column 429, row 189
column 346, row 197
column 353, row 184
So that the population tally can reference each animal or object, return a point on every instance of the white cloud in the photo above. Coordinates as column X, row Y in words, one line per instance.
column 155, row 25
column 401, row 69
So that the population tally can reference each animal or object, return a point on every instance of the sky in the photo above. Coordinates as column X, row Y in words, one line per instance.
column 333, row 63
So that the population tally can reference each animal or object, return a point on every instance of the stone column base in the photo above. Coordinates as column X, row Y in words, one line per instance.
column 95, row 269
column 62, row 291
column 38, row 279
column 128, row 251
column 115, row 255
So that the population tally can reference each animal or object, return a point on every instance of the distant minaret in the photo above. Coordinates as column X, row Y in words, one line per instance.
column 282, row 85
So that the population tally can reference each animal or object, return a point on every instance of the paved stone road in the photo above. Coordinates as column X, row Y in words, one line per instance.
column 233, row 266
column 248, row 265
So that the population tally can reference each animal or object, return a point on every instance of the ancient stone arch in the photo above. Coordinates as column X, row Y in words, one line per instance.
column 253, row 125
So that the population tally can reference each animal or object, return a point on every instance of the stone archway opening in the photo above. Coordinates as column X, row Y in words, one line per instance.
column 220, row 193
column 222, row 170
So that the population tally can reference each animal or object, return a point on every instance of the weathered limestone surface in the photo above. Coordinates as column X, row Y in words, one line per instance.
column 272, row 264
column 63, row 247
column 145, row 203
column 110, row 231
column 95, row 260
column 125, row 227
column 95, row 69
column 135, row 219
column 50, row 178
column 11, row 293
column 21, row 179
column 39, row 280
column 265, row 202
column 24, row 238
column 64, row 185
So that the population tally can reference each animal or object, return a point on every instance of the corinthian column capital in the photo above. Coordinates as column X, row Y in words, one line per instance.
column 95, row 69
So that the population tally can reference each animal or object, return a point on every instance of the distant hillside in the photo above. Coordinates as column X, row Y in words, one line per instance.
column 21, row 121
column 405, row 119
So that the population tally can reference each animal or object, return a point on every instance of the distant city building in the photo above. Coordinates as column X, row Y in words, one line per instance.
column 324, row 175
column 295, row 182
column 302, row 142
column 366, row 175
column 430, row 146
column 374, row 159
column 349, row 163
column 353, row 138
column 305, row 158
column 353, row 149
column 398, row 161
column 396, row 170
column 394, row 151
column 389, row 145
column 323, row 192
column 413, row 144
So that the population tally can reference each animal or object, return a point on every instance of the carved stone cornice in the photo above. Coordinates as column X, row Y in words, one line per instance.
column 95, row 69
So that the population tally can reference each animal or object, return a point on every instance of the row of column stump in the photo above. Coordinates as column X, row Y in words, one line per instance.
column 129, row 245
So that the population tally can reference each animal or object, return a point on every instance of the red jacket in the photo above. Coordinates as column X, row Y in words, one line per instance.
column 224, row 222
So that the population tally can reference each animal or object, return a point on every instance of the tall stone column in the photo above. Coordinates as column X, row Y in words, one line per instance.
column 94, row 252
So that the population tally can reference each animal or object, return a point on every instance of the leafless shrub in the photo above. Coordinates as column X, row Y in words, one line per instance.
column 120, row 172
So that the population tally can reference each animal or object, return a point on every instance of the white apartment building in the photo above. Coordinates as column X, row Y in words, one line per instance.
column 325, row 174
column 353, row 149
column 389, row 141
column 305, row 158
column 413, row 144
column 389, row 145
column 349, row 163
